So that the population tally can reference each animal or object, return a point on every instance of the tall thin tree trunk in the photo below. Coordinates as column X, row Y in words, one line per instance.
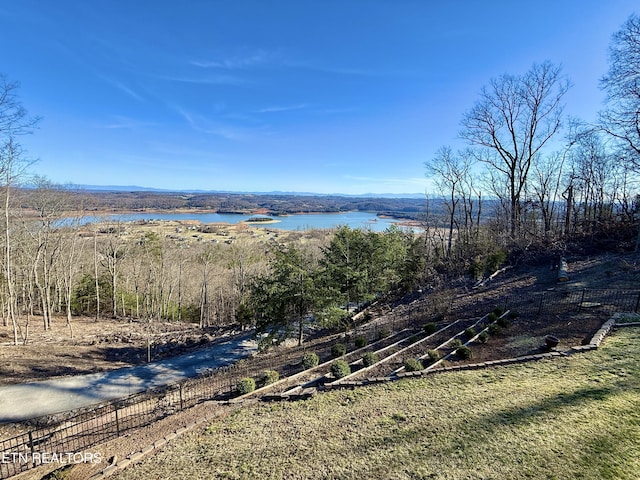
column 95, row 270
column 9, row 277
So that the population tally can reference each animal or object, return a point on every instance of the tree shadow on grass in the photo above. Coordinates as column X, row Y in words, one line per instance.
column 468, row 434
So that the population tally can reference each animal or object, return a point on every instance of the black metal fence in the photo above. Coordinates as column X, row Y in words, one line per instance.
column 56, row 438
column 563, row 301
column 73, row 432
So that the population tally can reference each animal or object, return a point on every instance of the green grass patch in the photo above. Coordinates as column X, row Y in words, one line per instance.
column 566, row 418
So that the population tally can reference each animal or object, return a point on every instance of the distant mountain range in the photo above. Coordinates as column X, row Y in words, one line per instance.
column 137, row 188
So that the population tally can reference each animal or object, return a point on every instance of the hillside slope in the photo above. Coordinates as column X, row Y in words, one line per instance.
column 574, row 417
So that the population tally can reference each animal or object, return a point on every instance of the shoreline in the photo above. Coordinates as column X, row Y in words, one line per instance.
column 112, row 216
column 128, row 211
column 261, row 222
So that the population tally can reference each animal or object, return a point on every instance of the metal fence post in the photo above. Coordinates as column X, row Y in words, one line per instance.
column 115, row 407
column 31, row 448
column 541, row 302
column 181, row 405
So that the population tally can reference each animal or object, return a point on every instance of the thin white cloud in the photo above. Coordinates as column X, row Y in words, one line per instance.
column 202, row 124
column 206, row 79
column 229, row 132
column 335, row 111
column 122, row 122
column 318, row 67
column 122, row 87
column 185, row 115
column 239, row 62
column 264, row 58
column 283, row 108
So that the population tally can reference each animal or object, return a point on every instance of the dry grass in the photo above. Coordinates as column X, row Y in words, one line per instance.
column 574, row 417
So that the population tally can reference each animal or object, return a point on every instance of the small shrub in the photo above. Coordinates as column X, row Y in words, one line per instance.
column 340, row 369
column 498, row 311
column 513, row 314
column 484, row 337
column 455, row 343
column 430, row 328
column 383, row 333
column 246, row 385
column 310, row 360
column 413, row 365
column 361, row 341
column 494, row 260
column 492, row 317
column 369, row 359
column 470, row 332
column 433, row 356
column 463, row 352
column 269, row 377
column 338, row 350
column 494, row 329
column 504, row 322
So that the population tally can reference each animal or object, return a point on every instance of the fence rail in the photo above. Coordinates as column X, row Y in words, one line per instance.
column 75, row 432
column 558, row 302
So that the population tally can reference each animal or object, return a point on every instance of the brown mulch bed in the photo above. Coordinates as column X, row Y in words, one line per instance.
column 527, row 336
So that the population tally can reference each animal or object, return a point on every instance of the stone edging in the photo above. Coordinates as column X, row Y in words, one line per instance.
column 595, row 342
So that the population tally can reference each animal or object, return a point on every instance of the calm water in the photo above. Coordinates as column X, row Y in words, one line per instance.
column 292, row 222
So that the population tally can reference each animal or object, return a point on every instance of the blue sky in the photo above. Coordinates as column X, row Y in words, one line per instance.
column 335, row 96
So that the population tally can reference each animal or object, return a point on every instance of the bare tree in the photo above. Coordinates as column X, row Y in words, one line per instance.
column 591, row 181
column 621, row 118
column 49, row 203
column 452, row 176
column 205, row 259
column 71, row 266
column 514, row 119
column 548, row 175
column 112, row 254
column 447, row 170
column 12, row 167
column 14, row 121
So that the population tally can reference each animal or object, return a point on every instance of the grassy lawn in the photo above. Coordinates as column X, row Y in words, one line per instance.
column 573, row 417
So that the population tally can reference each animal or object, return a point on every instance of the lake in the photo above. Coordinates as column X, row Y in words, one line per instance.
column 302, row 222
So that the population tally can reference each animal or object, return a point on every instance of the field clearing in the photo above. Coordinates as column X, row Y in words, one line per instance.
column 572, row 417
